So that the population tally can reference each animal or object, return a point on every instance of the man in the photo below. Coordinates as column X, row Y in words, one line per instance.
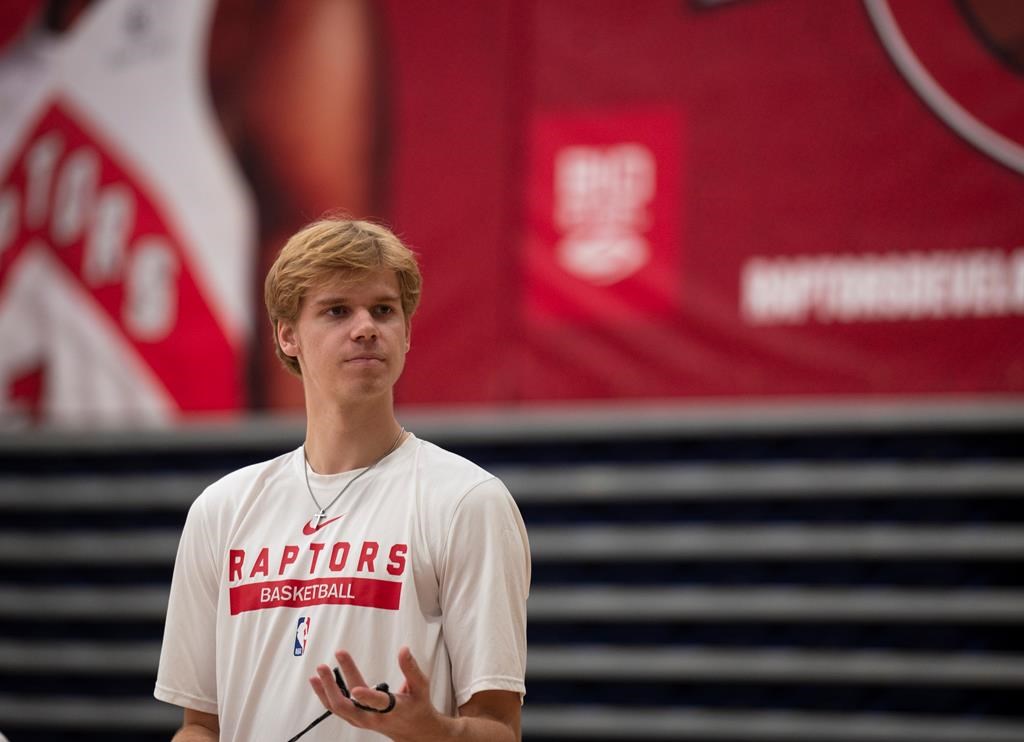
column 365, row 540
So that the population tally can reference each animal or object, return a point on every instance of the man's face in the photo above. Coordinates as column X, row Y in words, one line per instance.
column 351, row 337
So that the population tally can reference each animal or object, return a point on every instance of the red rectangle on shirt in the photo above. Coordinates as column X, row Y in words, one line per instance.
column 361, row 591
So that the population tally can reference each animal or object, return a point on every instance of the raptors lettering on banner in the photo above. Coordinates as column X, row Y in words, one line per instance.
column 937, row 285
column 64, row 194
column 79, row 228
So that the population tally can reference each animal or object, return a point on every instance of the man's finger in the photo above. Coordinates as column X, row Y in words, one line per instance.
column 375, row 699
column 349, row 670
column 318, row 688
column 415, row 681
column 327, row 690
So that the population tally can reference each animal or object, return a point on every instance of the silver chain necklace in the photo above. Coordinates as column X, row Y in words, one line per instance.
column 322, row 512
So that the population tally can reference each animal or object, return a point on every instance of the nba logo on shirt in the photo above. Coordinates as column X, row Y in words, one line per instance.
column 301, row 634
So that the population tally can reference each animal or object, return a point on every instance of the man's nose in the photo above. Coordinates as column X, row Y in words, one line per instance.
column 364, row 327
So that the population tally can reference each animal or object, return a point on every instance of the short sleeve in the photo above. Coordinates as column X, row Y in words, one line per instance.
column 485, row 581
column 187, row 675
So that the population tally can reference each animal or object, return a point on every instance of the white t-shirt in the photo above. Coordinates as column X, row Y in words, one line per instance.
column 426, row 550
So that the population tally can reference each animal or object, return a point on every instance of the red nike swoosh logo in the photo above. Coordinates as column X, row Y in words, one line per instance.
column 310, row 529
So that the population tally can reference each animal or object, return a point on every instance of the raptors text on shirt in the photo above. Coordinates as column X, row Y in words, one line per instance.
column 293, row 562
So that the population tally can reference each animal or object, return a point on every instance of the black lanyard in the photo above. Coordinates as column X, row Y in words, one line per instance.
column 383, row 687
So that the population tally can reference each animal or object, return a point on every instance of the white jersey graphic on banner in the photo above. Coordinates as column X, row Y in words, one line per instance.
column 125, row 230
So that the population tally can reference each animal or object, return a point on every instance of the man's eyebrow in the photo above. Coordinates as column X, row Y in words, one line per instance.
column 341, row 299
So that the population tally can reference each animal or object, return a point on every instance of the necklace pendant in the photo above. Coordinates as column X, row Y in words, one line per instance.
column 317, row 518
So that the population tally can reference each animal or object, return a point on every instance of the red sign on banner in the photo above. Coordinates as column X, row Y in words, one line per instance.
column 604, row 216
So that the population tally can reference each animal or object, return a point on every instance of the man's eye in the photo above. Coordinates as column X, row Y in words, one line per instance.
column 336, row 311
column 385, row 309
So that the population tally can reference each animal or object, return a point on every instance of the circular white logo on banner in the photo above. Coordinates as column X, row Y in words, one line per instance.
column 930, row 61
column 603, row 259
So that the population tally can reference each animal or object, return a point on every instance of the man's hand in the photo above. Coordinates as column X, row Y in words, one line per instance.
column 414, row 716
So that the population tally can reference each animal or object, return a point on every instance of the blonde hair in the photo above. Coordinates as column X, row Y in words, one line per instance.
column 326, row 247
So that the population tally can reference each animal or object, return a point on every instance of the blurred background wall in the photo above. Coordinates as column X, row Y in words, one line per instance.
column 729, row 291
column 655, row 200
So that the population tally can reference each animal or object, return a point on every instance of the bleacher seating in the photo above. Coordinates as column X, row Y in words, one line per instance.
column 849, row 574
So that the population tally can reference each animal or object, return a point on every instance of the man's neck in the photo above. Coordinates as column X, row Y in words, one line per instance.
column 342, row 440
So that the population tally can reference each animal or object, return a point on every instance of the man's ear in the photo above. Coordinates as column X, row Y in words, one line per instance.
column 408, row 336
column 286, row 338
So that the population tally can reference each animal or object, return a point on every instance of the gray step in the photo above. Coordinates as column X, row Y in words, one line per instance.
column 774, row 665
column 609, row 603
column 609, row 663
column 793, row 480
column 612, row 603
column 601, row 543
column 573, row 722
column 811, row 541
column 538, row 422
column 572, row 484
column 737, row 725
